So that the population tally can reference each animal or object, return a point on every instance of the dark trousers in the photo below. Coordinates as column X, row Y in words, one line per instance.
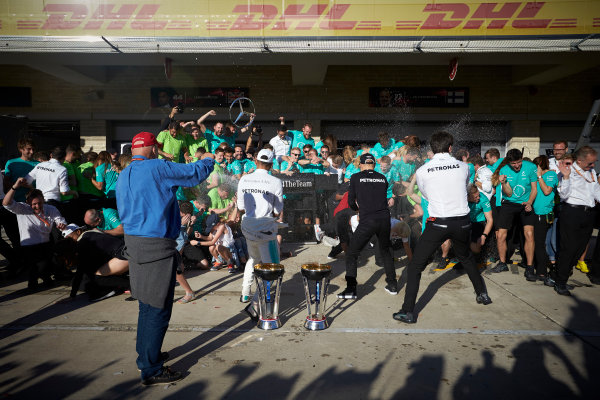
column 436, row 232
column 540, row 231
column 152, row 327
column 38, row 258
column 8, row 221
column 595, row 266
column 368, row 227
column 576, row 226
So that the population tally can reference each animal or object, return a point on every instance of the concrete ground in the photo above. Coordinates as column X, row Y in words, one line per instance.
column 530, row 343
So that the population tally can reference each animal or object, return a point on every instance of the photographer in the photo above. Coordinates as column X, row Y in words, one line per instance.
column 178, row 109
column 255, row 134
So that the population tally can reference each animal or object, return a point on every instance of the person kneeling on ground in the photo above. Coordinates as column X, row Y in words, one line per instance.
column 98, row 256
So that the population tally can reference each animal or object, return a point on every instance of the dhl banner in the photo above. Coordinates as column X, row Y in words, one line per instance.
column 298, row 18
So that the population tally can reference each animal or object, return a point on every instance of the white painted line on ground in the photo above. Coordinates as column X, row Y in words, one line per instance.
column 131, row 328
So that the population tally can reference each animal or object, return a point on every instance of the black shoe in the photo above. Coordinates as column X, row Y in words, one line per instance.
column 404, row 316
column 549, row 281
column 165, row 377
column 530, row 274
column 500, row 267
column 594, row 280
column 102, row 295
column 335, row 251
column 251, row 312
column 483, row 298
column 562, row 289
column 348, row 293
column 392, row 288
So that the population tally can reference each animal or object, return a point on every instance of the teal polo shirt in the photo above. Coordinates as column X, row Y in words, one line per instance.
column 520, row 181
column 544, row 204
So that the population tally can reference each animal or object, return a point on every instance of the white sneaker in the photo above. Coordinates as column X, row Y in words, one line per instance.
column 318, row 233
column 329, row 241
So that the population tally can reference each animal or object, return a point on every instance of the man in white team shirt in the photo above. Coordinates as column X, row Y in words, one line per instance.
column 443, row 182
column 51, row 178
column 260, row 196
column 282, row 142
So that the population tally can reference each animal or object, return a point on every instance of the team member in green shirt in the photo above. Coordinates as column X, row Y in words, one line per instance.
column 543, row 207
column 288, row 167
column 391, row 174
column 19, row 167
column 106, row 175
column 221, row 199
column 518, row 179
column 193, row 142
column 171, row 143
column 238, row 165
column 302, row 138
column 384, row 147
column 70, row 164
column 406, row 164
column 106, row 220
column 481, row 218
column 313, row 164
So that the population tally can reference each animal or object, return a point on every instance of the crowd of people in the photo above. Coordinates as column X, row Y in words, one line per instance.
column 75, row 215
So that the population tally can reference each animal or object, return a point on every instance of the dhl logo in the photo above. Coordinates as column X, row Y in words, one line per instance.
column 298, row 18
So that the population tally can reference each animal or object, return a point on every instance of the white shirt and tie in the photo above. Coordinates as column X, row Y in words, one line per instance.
column 581, row 189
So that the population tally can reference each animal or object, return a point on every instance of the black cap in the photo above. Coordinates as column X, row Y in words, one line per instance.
column 367, row 158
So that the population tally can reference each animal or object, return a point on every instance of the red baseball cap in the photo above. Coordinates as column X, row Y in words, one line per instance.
column 143, row 139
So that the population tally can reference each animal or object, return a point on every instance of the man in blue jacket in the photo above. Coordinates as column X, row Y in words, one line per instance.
column 150, row 216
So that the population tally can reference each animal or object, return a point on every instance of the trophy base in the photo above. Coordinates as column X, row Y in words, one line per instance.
column 269, row 324
column 316, row 324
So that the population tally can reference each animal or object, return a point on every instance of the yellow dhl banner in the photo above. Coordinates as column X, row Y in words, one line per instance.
column 281, row 18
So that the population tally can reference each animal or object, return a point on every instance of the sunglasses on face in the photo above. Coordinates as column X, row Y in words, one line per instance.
column 296, row 154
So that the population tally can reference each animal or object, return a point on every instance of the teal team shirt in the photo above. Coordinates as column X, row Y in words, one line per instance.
column 300, row 141
column 109, row 177
column 471, row 172
column 478, row 209
column 317, row 169
column 495, row 165
column 237, row 167
column 214, row 141
column 110, row 219
column 544, row 204
column 250, row 166
column 425, row 207
column 17, row 168
column 520, row 182
column 351, row 170
column 379, row 151
column 404, row 169
column 294, row 168
column 392, row 177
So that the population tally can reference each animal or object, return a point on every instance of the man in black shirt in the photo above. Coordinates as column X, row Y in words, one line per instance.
column 368, row 196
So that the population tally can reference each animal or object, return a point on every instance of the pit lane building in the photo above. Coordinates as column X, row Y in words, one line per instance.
column 504, row 74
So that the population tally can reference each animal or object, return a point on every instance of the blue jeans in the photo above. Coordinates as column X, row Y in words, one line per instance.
column 152, row 327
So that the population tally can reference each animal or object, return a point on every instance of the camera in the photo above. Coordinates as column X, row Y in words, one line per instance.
column 257, row 131
column 180, row 107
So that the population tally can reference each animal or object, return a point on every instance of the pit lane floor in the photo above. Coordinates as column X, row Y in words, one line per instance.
column 530, row 343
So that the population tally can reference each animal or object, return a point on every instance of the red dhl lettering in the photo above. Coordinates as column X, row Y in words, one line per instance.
column 298, row 17
column 452, row 15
